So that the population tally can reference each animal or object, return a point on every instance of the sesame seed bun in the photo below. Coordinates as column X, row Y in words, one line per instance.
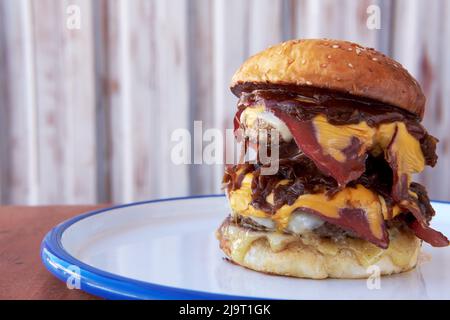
column 333, row 65
column 315, row 257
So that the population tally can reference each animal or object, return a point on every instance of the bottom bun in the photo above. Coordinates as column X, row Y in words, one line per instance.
column 315, row 257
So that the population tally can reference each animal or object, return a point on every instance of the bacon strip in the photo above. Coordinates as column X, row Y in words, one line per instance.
column 237, row 119
column 304, row 136
column 355, row 220
column 428, row 234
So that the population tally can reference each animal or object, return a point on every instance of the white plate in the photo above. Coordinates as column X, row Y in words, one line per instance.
column 167, row 249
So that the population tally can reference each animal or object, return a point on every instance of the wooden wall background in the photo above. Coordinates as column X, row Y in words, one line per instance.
column 86, row 115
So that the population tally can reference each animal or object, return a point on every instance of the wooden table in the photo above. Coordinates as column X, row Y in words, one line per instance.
column 22, row 275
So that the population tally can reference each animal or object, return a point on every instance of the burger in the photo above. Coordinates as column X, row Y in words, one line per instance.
column 349, row 139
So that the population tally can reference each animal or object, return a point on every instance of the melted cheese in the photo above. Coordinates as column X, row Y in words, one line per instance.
column 334, row 139
column 249, row 115
column 299, row 223
column 303, row 222
column 401, row 248
column 255, row 118
column 277, row 124
column 360, row 197
column 408, row 154
column 241, row 198
column 243, row 239
column 409, row 151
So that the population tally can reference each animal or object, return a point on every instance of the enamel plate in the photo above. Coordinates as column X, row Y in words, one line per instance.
column 166, row 249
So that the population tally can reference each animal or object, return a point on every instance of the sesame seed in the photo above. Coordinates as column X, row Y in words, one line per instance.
column 374, row 59
column 335, row 46
column 308, row 83
column 350, row 65
column 358, row 51
column 303, row 61
column 329, row 56
column 323, row 65
column 350, row 49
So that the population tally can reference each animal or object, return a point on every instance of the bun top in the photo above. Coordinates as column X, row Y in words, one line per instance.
column 335, row 65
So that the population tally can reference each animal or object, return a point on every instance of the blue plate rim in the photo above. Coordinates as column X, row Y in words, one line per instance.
column 108, row 285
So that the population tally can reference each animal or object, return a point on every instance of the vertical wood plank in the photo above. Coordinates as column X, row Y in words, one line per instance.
column 428, row 64
column 442, row 111
column 354, row 20
column 344, row 20
column 385, row 33
column 201, row 94
column 22, row 144
column 227, row 58
column 3, row 106
column 406, row 34
column 148, row 98
column 116, row 88
column 143, row 97
column 49, row 21
column 265, row 22
column 418, row 45
column 171, row 44
column 66, row 103
column 80, row 167
column 434, row 69
column 109, row 104
column 319, row 19
column 103, row 87
column 120, row 110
